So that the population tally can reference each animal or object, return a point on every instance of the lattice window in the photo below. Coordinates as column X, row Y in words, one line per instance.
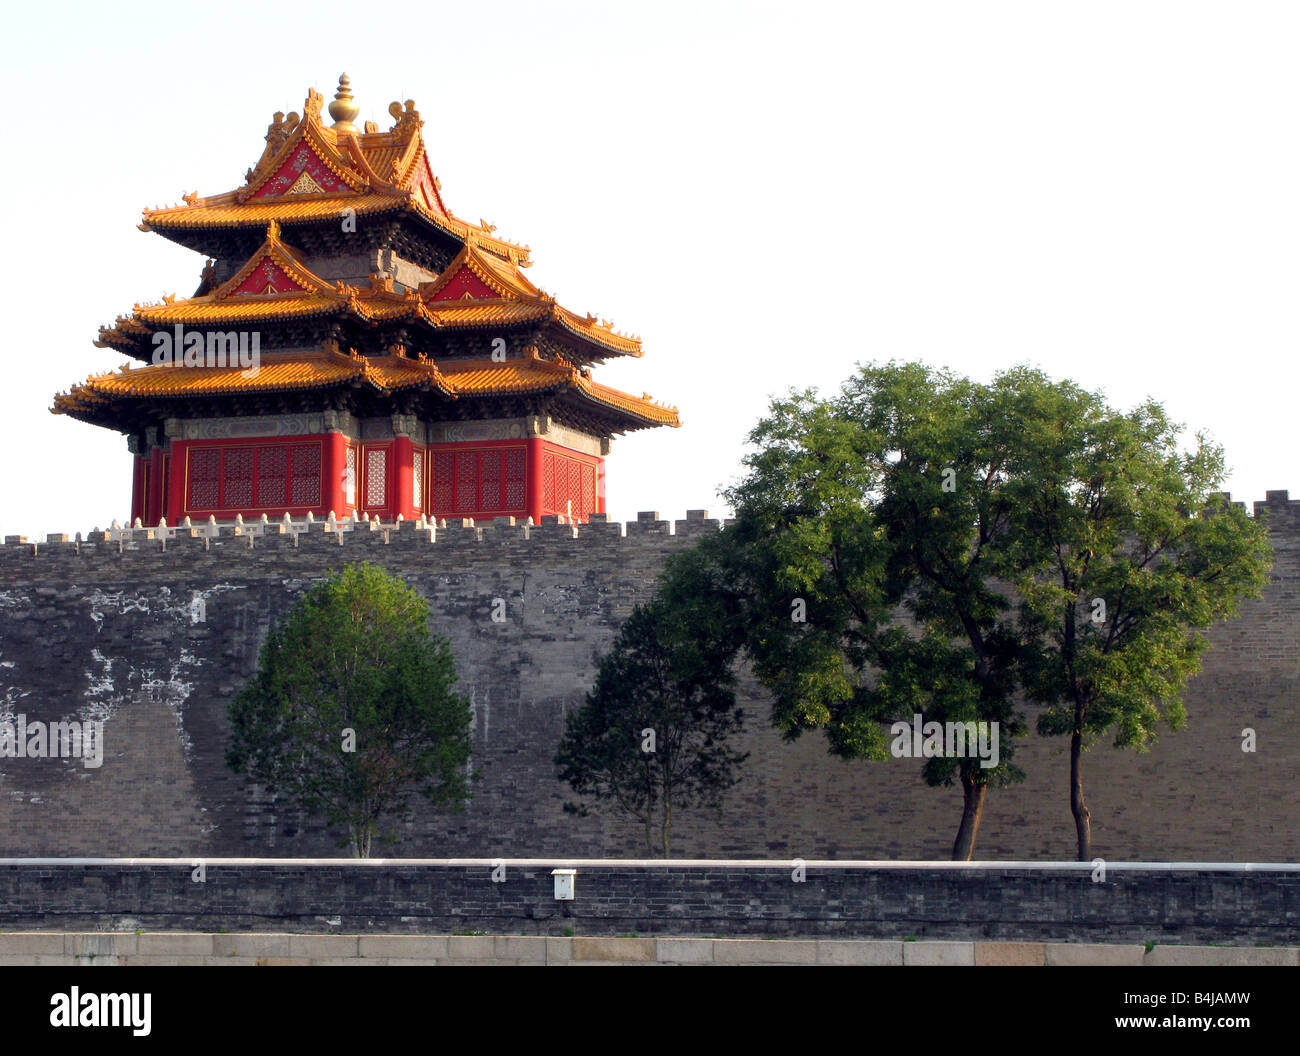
column 205, row 479
column 466, row 481
column 417, row 480
column 350, row 478
column 588, row 491
column 514, row 480
column 376, row 477
column 490, row 488
column 548, row 480
column 239, row 479
column 272, row 466
column 305, row 482
column 442, row 494
column 574, row 492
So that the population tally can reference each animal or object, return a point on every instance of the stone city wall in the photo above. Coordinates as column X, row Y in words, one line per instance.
column 105, row 628
column 1128, row 904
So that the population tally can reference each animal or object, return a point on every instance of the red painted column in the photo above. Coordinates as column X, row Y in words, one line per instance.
column 153, row 506
column 334, row 468
column 533, row 479
column 176, row 483
column 138, row 477
column 403, row 491
column 600, row 485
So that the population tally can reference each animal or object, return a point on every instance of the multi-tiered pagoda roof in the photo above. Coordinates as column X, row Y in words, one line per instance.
column 348, row 326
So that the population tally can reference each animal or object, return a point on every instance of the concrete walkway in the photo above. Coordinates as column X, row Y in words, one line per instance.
column 269, row 948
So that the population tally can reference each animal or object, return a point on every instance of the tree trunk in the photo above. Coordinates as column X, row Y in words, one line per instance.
column 971, row 812
column 361, row 830
column 1082, row 817
column 667, row 828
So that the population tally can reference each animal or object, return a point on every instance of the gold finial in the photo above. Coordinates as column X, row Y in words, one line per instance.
column 343, row 109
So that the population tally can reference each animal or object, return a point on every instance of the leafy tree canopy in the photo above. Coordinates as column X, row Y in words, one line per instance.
column 352, row 708
column 921, row 544
column 653, row 735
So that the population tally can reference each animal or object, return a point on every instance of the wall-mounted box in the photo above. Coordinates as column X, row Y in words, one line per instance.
column 564, row 883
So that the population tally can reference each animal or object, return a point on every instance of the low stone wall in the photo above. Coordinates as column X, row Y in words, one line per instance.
column 1140, row 903
column 98, row 949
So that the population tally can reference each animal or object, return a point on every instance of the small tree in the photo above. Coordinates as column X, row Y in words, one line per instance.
column 351, row 709
column 652, row 734
column 1131, row 554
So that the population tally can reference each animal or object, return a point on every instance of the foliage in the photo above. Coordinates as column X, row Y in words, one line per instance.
column 880, row 502
column 653, row 733
column 352, row 708
column 882, row 535
column 1126, row 554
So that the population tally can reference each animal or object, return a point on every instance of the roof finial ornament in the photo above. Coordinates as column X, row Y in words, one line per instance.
column 343, row 109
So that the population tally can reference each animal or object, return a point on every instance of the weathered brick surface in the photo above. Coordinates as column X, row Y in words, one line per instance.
column 104, row 629
column 963, row 907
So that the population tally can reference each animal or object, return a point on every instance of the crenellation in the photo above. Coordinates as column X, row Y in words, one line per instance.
column 555, row 528
column 602, row 528
column 239, row 537
column 648, row 522
column 1281, row 512
column 698, row 522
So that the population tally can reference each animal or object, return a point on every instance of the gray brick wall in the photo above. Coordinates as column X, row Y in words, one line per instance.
column 104, row 628
column 1136, row 906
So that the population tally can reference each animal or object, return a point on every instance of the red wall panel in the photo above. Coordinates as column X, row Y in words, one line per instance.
column 222, row 478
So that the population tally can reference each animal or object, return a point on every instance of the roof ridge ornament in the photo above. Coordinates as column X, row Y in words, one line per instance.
column 344, row 109
column 311, row 107
column 406, row 121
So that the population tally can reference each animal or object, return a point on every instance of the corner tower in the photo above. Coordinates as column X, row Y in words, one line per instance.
column 354, row 347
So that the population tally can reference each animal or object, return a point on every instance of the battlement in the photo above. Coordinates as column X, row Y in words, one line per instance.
column 1280, row 511
column 239, row 535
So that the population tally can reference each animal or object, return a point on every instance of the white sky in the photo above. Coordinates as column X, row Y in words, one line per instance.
column 766, row 193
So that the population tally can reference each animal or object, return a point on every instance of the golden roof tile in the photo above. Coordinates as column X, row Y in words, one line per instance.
column 370, row 172
column 285, row 372
column 276, row 372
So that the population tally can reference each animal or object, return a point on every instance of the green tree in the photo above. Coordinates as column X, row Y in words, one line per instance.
column 865, row 548
column 351, row 709
column 1129, row 553
column 882, row 537
column 652, row 735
